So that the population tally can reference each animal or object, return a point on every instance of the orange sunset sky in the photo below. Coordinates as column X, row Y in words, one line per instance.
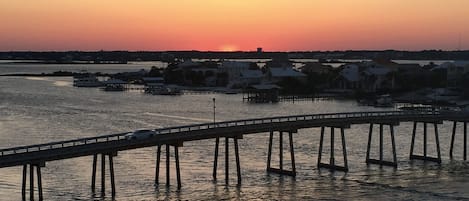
column 275, row 25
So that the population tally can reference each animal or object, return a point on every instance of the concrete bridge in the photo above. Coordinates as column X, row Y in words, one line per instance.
column 36, row 156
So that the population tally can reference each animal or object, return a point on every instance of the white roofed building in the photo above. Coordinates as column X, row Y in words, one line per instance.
column 375, row 78
column 240, row 74
column 277, row 74
column 349, row 77
column 365, row 77
column 250, row 77
column 234, row 69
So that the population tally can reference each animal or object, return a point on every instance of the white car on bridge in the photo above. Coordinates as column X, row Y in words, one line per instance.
column 140, row 134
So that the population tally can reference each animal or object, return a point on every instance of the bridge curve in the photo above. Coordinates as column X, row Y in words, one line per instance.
column 41, row 153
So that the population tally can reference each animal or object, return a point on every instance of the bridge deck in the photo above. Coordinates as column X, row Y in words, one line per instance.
column 116, row 142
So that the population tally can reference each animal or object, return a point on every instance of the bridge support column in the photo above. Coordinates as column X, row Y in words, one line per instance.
column 381, row 161
column 332, row 165
column 176, row 157
column 464, row 140
column 280, row 170
column 425, row 157
column 31, row 180
column 227, row 164
column 103, row 173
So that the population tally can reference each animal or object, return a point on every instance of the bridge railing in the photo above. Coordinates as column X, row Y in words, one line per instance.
column 205, row 126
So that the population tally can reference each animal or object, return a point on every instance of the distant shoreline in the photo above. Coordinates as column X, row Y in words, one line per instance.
column 34, row 75
column 53, row 74
column 53, row 62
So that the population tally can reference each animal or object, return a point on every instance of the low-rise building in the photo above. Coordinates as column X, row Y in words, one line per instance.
column 349, row 77
column 455, row 71
column 315, row 68
column 278, row 74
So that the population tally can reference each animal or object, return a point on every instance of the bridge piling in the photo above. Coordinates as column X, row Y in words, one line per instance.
column 320, row 146
column 425, row 157
column 103, row 173
column 381, row 161
column 157, row 168
column 178, row 170
column 269, row 153
column 344, row 148
column 176, row 158
column 167, row 166
column 31, row 181
column 455, row 122
column 23, row 184
column 332, row 159
column 236, row 150
column 453, row 135
column 93, row 173
column 238, row 166
column 292, row 152
column 39, row 182
column 332, row 165
column 227, row 161
column 111, row 171
column 280, row 169
column 215, row 160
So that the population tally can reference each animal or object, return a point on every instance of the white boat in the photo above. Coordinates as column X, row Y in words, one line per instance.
column 164, row 91
column 86, row 80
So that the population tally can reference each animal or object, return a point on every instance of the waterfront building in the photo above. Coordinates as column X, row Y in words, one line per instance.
column 349, row 77
column 455, row 71
column 278, row 74
column 315, row 68
column 368, row 76
column 241, row 74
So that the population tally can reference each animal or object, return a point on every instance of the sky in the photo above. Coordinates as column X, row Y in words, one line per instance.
column 231, row 25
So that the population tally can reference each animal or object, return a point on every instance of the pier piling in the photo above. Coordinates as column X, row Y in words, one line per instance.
column 103, row 173
column 176, row 158
column 425, row 156
column 381, row 160
column 157, row 167
column 215, row 160
column 455, row 122
column 280, row 169
column 227, row 164
column 31, row 181
column 332, row 165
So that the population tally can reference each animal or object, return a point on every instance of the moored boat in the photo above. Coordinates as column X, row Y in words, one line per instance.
column 86, row 80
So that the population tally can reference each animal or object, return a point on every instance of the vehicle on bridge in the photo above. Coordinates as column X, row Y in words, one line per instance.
column 140, row 134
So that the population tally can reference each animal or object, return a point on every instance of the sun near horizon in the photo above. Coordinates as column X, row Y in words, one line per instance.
column 233, row 25
column 228, row 48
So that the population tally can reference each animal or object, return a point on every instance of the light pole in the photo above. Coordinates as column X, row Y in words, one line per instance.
column 214, row 111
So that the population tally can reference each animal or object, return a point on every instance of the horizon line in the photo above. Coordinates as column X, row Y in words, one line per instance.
column 240, row 51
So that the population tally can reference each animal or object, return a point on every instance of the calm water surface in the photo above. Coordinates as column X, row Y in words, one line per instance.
column 39, row 110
